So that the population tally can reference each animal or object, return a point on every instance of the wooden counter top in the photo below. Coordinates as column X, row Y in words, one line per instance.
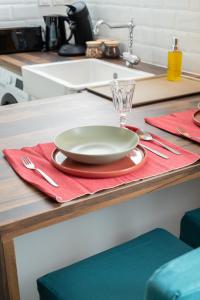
column 14, row 62
column 40, row 121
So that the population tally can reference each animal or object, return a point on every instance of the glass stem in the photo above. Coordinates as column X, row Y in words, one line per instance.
column 122, row 120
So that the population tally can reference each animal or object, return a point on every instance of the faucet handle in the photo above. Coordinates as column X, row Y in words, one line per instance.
column 97, row 26
column 130, row 59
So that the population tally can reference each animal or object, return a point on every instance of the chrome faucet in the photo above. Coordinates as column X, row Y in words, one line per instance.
column 128, row 56
column 101, row 22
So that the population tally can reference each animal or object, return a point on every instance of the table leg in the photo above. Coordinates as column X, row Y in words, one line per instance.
column 9, row 288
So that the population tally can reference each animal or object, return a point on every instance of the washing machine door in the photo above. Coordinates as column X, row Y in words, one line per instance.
column 8, row 99
column 11, row 95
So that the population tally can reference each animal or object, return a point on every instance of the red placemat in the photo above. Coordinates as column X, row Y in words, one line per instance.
column 71, row 187
column 182, row 119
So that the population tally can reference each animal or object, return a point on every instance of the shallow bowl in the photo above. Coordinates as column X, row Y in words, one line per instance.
column 96, row 144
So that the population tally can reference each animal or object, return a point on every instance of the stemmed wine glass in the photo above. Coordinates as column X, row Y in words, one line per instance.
column 122, row 94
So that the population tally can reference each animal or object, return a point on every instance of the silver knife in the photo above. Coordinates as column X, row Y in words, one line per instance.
column 155, row 151
column 167, row 147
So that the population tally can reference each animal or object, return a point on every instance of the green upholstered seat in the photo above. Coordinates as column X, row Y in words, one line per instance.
column 177, row 280
column 190, row 228
column 120, row 273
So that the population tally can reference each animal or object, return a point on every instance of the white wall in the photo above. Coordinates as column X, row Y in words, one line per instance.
column 60, row 245
column 157, row 21
column 28, row 12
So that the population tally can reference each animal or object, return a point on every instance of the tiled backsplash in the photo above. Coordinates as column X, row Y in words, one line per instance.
column 28, row 12
column 157, row 21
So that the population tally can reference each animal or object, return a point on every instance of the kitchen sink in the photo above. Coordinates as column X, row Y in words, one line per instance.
column 61, row 78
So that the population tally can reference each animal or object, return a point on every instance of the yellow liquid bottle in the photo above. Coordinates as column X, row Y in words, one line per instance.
column 174, row 62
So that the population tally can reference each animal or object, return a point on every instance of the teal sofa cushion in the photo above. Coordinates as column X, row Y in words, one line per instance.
column 120, row 273
column 190, row 228
column 177, row 280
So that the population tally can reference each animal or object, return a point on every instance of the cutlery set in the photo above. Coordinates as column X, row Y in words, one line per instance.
column 146, row 136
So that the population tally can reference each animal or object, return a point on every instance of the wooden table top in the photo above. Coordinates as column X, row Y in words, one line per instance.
column 22, row 207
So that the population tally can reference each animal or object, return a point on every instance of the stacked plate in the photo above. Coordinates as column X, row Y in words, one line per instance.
column 98, row 151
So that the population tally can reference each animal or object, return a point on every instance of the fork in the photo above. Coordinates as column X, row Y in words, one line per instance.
column 30, row 165
column 186, row 134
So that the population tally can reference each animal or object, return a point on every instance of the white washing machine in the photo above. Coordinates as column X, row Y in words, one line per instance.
column 11, row 88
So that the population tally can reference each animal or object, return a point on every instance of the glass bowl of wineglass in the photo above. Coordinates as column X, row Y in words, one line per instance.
column 122, row 95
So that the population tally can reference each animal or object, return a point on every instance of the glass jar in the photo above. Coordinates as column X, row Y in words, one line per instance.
column 111, row 49
column 94, row 49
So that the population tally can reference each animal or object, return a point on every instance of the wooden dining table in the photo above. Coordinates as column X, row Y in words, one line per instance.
column 24, row 209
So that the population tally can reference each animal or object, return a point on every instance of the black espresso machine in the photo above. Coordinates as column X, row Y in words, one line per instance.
column 69, row 39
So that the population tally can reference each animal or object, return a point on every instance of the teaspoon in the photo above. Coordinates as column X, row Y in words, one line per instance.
column 146, row 136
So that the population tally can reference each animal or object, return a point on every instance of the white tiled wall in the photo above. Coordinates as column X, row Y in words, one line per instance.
column 28, row 12
column 157, row 21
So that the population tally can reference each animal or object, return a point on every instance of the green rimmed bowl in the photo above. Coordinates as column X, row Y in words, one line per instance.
column 96, row 144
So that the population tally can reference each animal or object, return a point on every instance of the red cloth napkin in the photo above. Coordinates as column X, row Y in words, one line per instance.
column 71, row 187
column 179, row 119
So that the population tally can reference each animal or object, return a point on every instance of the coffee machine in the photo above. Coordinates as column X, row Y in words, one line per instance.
column 79, row 29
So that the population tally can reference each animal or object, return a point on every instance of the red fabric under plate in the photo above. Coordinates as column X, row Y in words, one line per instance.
column 71, row 187
column 180, row 119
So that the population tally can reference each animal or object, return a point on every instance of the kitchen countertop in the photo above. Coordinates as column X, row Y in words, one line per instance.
column 14, row 62
column 24, row 209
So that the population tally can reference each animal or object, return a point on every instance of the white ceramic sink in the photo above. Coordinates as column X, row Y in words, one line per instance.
column 55, row 79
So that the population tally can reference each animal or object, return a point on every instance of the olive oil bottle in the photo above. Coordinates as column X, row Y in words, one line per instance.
column 174, row 62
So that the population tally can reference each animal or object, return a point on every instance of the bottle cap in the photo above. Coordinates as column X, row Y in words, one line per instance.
column 175, row 43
